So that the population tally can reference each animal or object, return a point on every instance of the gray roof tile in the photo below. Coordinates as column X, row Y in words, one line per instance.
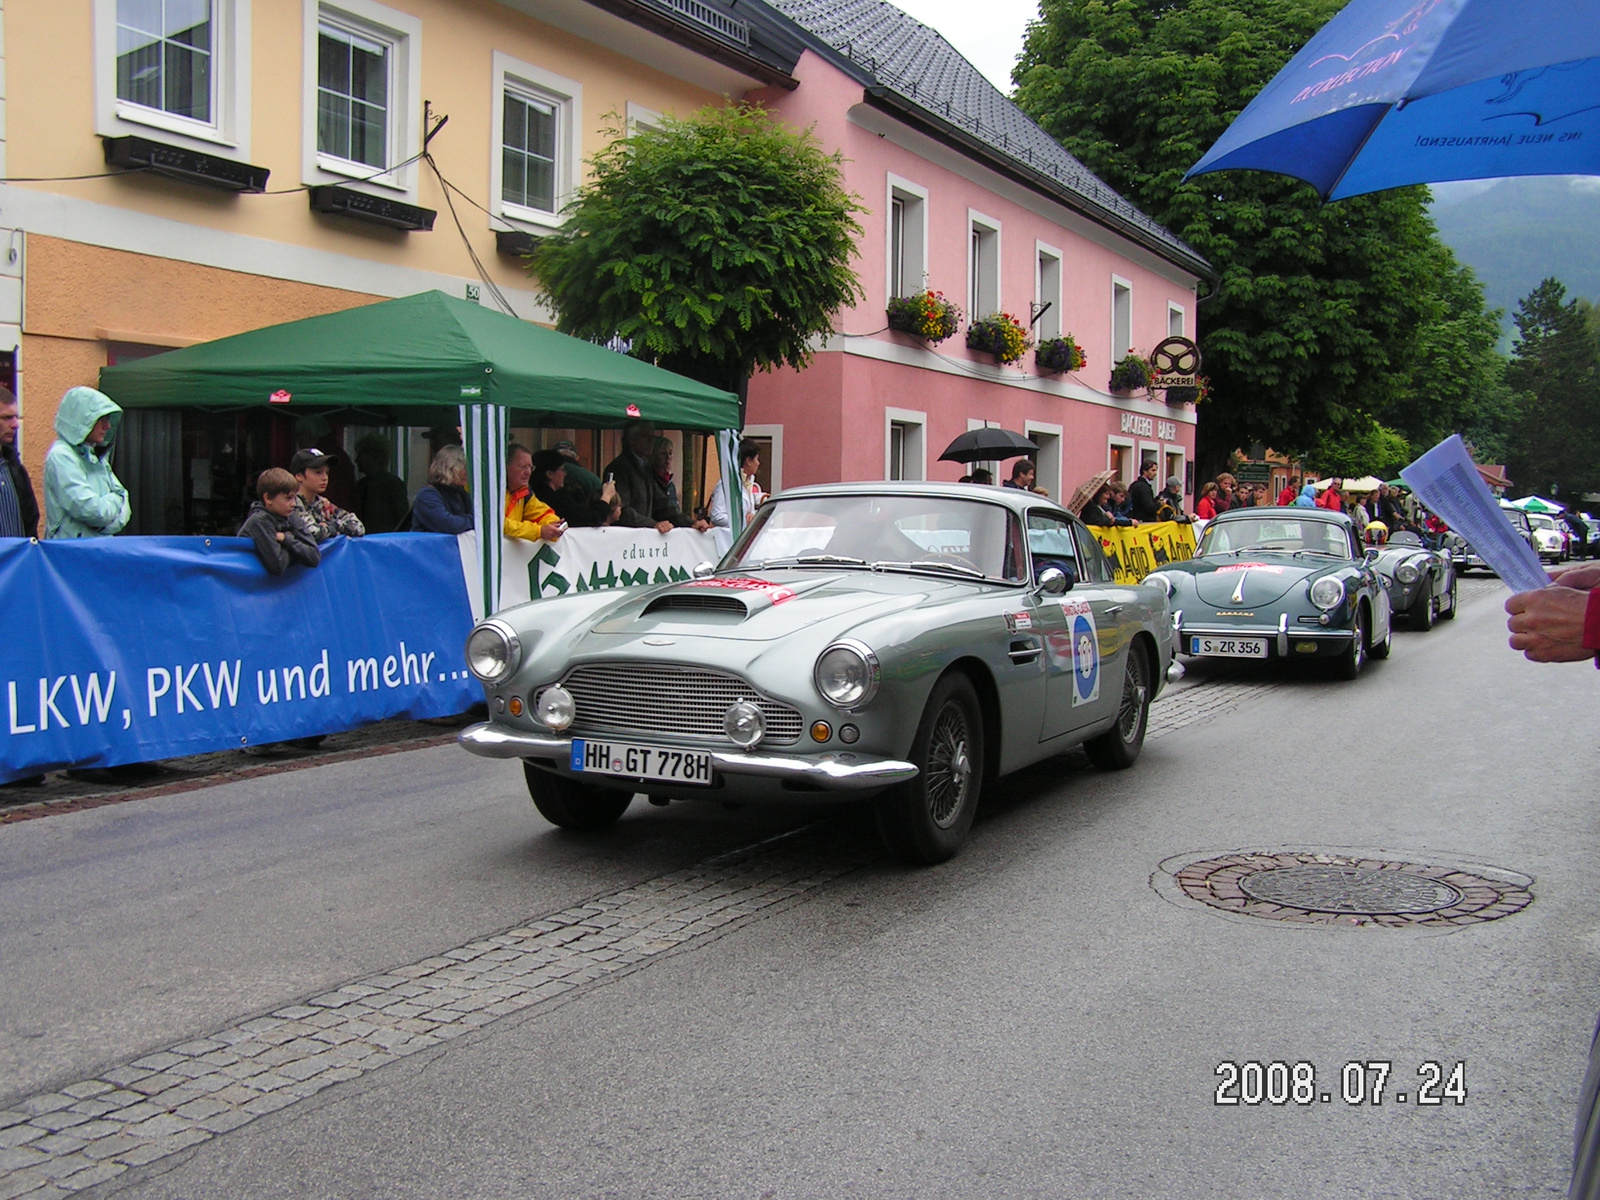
column 915, row 62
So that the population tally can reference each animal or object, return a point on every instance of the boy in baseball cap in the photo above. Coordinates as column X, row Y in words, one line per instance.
column 326, row 519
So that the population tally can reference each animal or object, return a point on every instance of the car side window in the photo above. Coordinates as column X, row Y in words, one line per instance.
column 1016, row 558
column 1050, row 542
column 1095, row 567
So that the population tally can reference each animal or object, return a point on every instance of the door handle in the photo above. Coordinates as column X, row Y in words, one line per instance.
column 1113, row 610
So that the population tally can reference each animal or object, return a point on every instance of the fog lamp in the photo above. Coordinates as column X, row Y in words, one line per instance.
column 555, row 707
column 744, row 724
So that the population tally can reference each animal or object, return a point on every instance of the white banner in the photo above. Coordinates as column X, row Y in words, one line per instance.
column 586, row 560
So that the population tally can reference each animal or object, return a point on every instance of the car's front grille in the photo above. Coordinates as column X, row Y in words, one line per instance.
column 655, row 699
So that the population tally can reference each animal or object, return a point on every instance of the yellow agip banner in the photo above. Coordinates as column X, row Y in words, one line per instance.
column 1136, row 550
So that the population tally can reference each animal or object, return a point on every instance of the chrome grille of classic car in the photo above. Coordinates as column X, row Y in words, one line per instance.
column 652, row 698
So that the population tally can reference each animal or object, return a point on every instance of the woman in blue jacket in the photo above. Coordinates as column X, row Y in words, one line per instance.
column 444, row 506
column 82, row 496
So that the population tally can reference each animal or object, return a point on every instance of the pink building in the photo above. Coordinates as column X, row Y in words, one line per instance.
column 969, row 197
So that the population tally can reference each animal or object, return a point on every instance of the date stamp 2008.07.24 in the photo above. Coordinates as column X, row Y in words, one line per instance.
column 1250, row 1083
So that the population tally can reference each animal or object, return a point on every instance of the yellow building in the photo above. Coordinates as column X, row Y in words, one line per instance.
column 180, row 170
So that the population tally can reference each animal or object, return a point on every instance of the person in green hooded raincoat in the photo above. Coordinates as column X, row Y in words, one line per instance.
column 82, row 497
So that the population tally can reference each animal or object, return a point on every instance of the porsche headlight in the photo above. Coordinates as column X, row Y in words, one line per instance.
column 1327, row 592
column 1164, row 582
column 847, row 674
column 1406, row 573
column 493, row 651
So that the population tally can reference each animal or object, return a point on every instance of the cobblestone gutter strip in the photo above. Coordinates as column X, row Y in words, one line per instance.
column 94, row 1129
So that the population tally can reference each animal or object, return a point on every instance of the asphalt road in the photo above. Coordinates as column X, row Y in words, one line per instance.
column 1043, row 1016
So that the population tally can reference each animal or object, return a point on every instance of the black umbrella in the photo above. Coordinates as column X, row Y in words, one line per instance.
column 987, row 445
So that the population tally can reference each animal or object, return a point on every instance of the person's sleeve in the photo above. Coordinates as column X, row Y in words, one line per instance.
column 525, row 521
column 1591, row 623
column 268, row 549
column 301, row 549
column 632, row 516
column 81, row 502
column 719, row 507
column 433, row 515
column 348, row 523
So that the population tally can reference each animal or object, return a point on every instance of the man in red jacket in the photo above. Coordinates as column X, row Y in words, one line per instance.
column 1332, row 498
column 1286, row 497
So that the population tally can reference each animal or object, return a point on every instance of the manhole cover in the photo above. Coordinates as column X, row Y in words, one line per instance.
column 1338, row 889
column 1349, row 890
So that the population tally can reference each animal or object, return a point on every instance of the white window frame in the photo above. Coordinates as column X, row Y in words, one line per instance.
column 1155, row 450
column 514, row 75
column 402, row 33
column 639, row 117
column 1048, row 473
column 982, row 274
column 1183, row 327
column 914, row 460
column 1167, row 451
column 227, row 134
column 1131, row 458
column 1121, row 285
column 914, row 198
column 1050, row 323
column 775, row 467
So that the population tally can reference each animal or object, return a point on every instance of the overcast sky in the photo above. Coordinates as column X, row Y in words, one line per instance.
column 987, row 32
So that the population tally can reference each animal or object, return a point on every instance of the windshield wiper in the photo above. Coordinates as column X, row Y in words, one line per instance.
column 806, row 560
column 929, row 564
column 1327, row 553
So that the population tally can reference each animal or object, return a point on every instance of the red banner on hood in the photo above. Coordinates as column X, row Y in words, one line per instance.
column 774, row 592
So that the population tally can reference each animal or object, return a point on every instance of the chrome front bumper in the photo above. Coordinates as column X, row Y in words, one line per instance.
column 833, row 770
column 1280, row 635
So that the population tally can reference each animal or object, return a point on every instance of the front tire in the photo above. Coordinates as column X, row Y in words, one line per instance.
column 568, row 804
column 1449, row 614
column 1118, row 748
column 926, row 819
column 1424, row 611
column 1356, row 656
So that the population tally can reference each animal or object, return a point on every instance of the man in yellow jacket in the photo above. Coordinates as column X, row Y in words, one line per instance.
column 527, row 516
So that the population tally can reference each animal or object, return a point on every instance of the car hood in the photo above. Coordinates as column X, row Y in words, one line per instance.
column 772, row 604
column 1249, row 581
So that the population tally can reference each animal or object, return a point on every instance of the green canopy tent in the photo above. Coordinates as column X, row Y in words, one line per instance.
column 401, row 358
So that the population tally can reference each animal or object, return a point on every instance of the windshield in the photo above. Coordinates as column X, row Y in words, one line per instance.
column 1274, row 533
column 1542, row 522
column 936, row 533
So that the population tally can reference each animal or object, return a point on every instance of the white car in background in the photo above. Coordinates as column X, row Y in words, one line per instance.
column 1549, row 539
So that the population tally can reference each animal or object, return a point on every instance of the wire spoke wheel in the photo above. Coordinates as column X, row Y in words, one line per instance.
column 949, row 765
column 1135, row 694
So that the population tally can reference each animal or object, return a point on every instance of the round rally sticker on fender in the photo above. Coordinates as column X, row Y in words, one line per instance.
column 1085, row 659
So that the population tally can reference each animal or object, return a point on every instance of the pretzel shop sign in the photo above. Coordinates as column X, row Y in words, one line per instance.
column 1175, row 363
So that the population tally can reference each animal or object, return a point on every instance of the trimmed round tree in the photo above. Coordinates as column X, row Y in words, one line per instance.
column 714, row 245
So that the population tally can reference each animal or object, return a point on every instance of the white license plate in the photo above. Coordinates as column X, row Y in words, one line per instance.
column 1215, row 647
column 641, row 762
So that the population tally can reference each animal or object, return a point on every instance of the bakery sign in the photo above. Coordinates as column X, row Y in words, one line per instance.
column 1149, row 426
column 1175, row 363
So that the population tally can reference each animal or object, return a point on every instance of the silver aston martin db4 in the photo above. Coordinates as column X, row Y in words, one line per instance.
column 906, row 642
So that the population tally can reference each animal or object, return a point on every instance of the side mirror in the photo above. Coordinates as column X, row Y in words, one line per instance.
column 1053, row 581
column 1372, row 553
column 704, row 570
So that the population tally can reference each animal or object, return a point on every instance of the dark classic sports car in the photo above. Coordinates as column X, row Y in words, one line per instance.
column 1421, row 582
column 1279, row 583
column 908, row 641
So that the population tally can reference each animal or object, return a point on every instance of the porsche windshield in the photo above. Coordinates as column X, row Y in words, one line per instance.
column 1286, row 534
column 933, row 533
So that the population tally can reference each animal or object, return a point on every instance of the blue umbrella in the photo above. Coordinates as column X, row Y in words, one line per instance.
column 1396, row 92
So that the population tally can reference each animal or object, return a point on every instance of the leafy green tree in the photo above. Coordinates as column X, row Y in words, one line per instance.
column 1324, row 318
column 1373, row 448
column 1555, row 366
column 715, row 245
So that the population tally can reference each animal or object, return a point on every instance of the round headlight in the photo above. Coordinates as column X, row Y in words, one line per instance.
column 1327, row 592
column 1406, row 572
column 1164, row 582
column 492, row 651
column 744, row 724
column 555, row 708
column 847, row 675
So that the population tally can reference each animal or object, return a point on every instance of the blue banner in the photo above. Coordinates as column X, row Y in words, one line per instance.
column 123, row 650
